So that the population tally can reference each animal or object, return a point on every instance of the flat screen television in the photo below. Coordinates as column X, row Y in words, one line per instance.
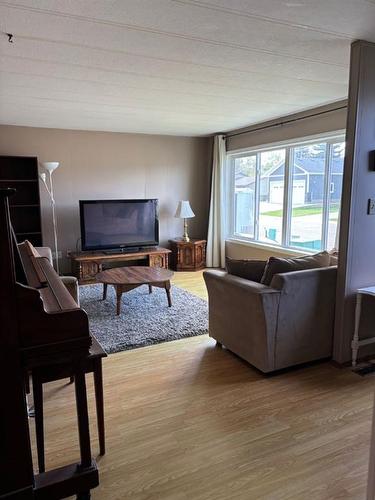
column 119, row 224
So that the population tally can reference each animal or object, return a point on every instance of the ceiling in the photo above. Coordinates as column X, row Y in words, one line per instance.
column 180, row 67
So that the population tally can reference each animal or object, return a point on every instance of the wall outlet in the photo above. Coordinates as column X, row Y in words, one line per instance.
column 68, row 252
column 371, row 206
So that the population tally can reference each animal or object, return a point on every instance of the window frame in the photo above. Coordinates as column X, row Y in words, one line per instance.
column 329, row 139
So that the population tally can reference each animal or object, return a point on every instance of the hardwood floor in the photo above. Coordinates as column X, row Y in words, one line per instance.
column 192, row 281
column 186, row 420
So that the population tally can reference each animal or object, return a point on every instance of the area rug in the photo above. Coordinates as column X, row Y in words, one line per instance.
column 145, row 318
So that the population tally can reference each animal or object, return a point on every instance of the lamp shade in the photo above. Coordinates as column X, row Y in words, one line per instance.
column 50, row 166
column 183, row 210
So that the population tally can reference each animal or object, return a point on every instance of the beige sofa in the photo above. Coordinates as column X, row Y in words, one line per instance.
column 70, row 282
column 273, row 327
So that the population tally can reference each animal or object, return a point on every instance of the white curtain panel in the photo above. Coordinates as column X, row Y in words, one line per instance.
column 337, row 237
column 215, row 256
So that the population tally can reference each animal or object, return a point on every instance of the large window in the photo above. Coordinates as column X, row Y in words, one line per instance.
column 288, row 196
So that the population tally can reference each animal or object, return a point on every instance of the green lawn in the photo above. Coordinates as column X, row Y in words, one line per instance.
column 304, row 210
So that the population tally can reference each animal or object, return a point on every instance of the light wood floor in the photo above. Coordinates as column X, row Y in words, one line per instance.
column 188, row 421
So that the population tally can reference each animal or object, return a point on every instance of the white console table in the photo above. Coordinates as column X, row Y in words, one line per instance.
column 371, row 467
column 356, row 343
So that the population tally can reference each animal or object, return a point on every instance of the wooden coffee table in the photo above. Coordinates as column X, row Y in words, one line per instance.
column 127, row 278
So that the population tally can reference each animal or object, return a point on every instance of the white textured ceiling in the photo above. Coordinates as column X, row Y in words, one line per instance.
column 182, row 67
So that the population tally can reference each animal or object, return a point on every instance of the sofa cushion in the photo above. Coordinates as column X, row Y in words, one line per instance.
column 277, row 265
column 246, row 268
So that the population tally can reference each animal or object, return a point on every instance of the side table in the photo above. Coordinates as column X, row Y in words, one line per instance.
column 356, row 343
column 188, row 255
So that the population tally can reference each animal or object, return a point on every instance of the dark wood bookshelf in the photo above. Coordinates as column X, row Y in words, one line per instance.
column 21, row 173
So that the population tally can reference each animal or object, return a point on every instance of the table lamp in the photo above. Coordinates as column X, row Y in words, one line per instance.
column 185, row 212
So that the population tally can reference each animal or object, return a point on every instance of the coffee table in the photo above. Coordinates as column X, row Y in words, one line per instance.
column 127, row 278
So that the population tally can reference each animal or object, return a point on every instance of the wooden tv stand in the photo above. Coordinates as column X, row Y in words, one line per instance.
column 86, row 265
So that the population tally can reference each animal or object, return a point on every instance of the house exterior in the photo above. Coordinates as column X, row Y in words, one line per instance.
column 308, row 181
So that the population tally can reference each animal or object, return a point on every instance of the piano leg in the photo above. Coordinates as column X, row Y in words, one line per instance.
column 39, row 425
column 83, row 417
column 99, row 399
column 83, row 425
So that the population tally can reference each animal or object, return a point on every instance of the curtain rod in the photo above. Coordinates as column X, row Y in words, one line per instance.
column 285, row 122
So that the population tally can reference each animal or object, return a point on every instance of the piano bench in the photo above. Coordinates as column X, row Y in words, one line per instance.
column 52, row 373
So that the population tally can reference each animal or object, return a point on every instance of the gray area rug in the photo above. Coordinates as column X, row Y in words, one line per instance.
column 145, row 318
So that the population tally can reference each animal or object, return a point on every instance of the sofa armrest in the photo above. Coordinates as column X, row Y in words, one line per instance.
column 306, row 315
column 290, row 282
column 71, row 284
column 45, row 252
column 243, row 317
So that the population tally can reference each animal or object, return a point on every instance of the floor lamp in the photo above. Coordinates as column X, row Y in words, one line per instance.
column 51, row 166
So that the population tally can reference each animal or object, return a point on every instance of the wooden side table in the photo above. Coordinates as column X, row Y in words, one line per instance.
column 356, row 343
column 188, row 255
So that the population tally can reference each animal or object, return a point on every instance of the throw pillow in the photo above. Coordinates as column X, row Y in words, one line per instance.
column 277, row 265
column 246, row 268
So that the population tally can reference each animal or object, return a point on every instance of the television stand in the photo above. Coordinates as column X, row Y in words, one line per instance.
column 116, row 251
column 86, row 265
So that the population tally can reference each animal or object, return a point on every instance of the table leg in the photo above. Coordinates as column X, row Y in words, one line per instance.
column 355, row 340
column 167, row 286
column 118, row 300
column 105, row 286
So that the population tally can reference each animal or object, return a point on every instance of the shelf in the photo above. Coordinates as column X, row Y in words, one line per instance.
column 18, row 180
column 28, row 232
column 25, row 206
column 21, row 174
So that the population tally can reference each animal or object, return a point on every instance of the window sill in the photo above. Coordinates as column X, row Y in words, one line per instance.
column 265, row 246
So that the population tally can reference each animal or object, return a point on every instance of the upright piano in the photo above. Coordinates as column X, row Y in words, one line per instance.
column 56, row 328
column 41, row 325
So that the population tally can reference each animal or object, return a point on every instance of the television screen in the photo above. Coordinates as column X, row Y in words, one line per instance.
column 118, row 223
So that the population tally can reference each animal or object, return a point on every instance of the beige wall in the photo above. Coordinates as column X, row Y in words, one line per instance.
column 330, row 120
column 114, row 165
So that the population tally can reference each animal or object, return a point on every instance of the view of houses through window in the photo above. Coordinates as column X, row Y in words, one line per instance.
column 288, row 196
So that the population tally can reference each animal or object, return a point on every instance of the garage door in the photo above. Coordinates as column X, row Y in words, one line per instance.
column 277, row 191
column 299, row 189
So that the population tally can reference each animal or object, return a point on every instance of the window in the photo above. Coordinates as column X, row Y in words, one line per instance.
column 244, row 195
column 271, row 196
column 288, row 196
